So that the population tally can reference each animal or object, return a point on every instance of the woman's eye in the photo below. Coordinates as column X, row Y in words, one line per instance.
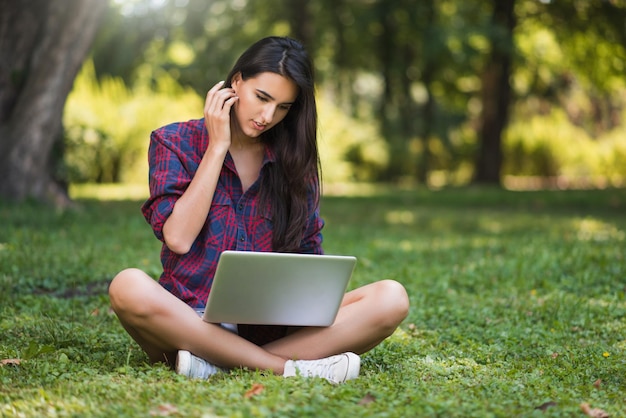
column 261, row 98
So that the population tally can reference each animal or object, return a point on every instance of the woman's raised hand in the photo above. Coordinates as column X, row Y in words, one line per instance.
column 217, row 107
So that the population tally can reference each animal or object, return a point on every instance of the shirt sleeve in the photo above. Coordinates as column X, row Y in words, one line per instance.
column 312, row 240
column 168, row 179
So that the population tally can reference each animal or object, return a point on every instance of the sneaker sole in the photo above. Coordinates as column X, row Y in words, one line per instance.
column 183, row 363
column 354, row 366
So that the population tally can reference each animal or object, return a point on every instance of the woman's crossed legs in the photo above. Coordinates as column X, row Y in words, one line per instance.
column 162, row 325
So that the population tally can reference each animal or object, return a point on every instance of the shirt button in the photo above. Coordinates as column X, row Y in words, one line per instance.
column 240, row 206
column 242, row 238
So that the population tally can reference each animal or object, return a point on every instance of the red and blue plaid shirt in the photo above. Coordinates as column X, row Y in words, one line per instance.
column 235, row 221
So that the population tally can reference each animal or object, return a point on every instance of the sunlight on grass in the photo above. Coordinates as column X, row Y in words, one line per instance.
column 124, row 191
column 620, row 345
column 352, row 189
column 495, row 227
column 109, row 191
column 400, row 336
column 513, row 304
column 447, row 367
column 590, row 229
column 403, row 217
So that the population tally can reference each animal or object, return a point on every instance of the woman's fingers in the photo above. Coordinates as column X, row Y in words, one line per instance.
column 219, row 100
column 217, row 106
column 210, row 95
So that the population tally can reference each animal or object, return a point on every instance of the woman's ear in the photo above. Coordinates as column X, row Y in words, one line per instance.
column 235, row 81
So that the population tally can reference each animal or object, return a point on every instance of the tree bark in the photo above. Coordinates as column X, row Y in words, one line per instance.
column 429, row 69
column 496, row 94
column 42, row 46
column 301, row 23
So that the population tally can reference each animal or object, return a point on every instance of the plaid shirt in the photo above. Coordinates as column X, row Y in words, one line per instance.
column 235, row 221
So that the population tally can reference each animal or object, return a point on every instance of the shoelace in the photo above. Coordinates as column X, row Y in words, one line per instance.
column 322, row 369
column 200, row 367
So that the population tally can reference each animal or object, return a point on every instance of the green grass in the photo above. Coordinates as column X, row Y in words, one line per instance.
column 517, row 300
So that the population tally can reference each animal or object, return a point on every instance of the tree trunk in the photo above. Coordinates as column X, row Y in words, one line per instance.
column 42, row 46
column 389, row 50
column 428, row 112
column 301, row 23
column 496, row 94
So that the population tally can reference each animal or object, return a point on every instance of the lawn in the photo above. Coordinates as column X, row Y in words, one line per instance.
column 517, row 310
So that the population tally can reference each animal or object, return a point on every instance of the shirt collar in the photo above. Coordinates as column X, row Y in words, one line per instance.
column 269, row 156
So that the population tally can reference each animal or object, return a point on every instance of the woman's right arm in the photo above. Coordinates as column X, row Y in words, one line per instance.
column 182, row 227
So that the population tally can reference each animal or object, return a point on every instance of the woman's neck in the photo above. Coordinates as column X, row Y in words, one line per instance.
column 240, row 141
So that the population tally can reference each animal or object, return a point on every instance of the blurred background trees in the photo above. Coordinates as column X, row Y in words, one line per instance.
column 412, row 92
column 42, row 46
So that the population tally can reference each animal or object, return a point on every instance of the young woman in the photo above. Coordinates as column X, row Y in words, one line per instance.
column 244, row 178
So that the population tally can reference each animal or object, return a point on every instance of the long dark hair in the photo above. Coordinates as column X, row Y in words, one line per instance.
column 294, row 140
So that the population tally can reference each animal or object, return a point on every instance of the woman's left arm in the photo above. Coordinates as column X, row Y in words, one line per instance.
column 312, row 239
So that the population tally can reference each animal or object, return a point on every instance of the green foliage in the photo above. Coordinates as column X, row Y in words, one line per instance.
column 541, row 60
column 108, row 125
column 550, row 145
column 517, row 303
column 424, row 62
column 350, row 150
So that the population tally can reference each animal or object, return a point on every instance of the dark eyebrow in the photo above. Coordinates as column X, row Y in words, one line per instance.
column 270, row 97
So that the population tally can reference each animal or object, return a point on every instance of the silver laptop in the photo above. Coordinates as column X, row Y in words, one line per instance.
column 278, row 288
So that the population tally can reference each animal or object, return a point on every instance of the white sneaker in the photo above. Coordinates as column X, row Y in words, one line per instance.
column 194, row 367
column 335, row 369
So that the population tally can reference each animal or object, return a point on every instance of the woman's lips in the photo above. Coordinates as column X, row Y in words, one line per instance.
column 258, row 126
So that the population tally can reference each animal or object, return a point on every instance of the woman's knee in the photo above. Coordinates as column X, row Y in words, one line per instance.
column 127, row 288
column 393, row 302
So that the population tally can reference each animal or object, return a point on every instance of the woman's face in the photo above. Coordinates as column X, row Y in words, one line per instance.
column 264, row 101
